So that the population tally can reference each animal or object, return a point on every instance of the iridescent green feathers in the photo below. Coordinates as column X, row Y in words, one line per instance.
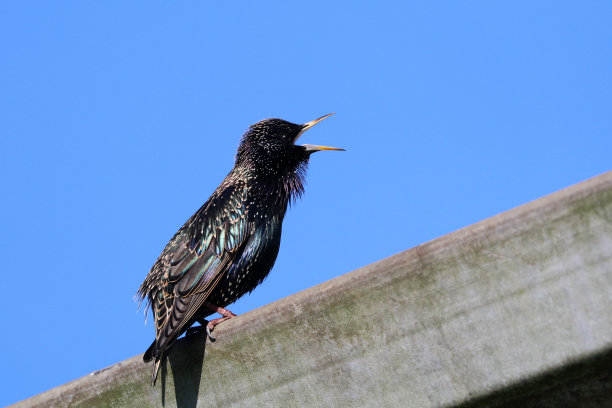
column 230, row 244
column 194, row 261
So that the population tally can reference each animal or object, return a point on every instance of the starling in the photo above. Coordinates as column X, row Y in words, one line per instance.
column 229, row 245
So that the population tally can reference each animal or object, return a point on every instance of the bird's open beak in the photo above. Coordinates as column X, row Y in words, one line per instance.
column 314, row 148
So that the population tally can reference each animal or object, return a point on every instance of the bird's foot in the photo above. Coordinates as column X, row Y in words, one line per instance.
column 208, row 333
column 216, row 309
column 210, row 326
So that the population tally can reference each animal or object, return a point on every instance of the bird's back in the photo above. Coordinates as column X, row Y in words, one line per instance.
column 230, row 244
column 223, row 251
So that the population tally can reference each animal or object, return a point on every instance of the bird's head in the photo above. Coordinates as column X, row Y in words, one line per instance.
column 269, row 146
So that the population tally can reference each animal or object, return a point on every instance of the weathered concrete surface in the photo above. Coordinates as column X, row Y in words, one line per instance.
column 515, row 309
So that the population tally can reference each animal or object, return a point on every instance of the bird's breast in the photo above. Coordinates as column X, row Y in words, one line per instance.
column 252, row 265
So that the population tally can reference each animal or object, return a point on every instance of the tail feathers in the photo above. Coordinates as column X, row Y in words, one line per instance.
column 156, row 365
column 153, row 353
column 148, row 355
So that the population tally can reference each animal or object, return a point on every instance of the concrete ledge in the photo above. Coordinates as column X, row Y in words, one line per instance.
column 513, row 309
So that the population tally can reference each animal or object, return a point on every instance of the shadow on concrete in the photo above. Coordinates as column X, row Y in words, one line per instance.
column 186, row 358
column 586, row 383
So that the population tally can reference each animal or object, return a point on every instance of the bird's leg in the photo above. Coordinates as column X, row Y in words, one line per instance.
column 210, row 326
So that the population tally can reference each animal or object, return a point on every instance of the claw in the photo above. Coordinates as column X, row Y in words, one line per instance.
column 208, row 333
column 210, row 326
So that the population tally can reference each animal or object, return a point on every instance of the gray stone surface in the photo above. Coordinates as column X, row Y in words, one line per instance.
column 512, row 309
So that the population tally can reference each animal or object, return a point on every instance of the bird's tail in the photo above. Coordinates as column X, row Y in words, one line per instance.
column 149, row 355
column 156, row 366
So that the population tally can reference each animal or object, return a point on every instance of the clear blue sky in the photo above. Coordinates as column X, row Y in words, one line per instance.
column 118, row 120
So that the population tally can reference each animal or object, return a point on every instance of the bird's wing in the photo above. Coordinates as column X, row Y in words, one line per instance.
column 196, row 259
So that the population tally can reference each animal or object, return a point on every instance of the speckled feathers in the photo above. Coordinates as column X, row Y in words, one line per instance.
column 230, row 244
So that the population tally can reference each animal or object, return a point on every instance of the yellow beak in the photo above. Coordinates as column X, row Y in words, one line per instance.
column 310, row 124
column 314, row 148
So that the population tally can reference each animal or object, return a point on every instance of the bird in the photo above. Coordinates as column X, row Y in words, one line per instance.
column 229, row 245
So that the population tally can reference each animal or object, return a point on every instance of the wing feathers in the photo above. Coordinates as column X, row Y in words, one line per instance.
column 183, row 267
column 195, row 260
column 199, row 275
column 179, row 255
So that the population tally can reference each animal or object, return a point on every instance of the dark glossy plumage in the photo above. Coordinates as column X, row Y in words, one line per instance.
column 230, row 244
